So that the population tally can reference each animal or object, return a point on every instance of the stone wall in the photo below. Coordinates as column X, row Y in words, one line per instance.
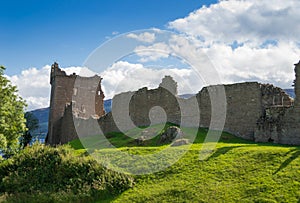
column 245, row 104
column 244, row 107
column 254, row 111
column 154, row 106
column 270, row 125
column 85, row 96
column 67, row 128
column 274, row 96
column 281, row 123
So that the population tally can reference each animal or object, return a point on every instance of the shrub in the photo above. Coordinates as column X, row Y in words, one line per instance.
column 45, row 170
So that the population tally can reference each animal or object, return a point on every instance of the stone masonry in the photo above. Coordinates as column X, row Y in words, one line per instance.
column 246, row 103
column 281, row 123
column 71, row 95
column 254, row 111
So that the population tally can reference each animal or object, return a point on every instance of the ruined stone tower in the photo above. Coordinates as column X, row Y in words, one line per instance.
column 81, row 97
column 297, row 86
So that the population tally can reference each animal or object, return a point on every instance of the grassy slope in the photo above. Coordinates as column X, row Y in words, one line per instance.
column 237, row 171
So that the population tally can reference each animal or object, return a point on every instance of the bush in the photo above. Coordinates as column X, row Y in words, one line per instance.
column 40, row 169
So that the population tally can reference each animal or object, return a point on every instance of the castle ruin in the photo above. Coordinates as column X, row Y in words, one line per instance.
column 281, row 124
column 255, row 111
column 71, row 95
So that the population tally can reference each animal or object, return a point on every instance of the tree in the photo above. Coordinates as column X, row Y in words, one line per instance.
column 12, row 121
column 32, row 123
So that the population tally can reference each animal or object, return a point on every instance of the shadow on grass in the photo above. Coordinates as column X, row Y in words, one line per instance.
column 119, row 139
column 221, row 151
column 295, row 153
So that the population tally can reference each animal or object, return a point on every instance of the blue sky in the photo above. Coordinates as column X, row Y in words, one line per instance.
column 35, row 33
column 245, row 40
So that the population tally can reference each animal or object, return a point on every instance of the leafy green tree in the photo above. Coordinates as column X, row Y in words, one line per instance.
column 12, row 121
column 32, row 123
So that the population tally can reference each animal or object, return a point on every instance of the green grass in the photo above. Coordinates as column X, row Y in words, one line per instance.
column 232, row 174
column 236, row 171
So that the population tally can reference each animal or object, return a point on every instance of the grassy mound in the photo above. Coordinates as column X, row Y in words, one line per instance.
column 47, row 174
column 233, row 173
column 236, row 171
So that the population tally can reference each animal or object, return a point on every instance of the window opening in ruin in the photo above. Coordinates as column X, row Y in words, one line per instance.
column 82, row 108
column 74, row 91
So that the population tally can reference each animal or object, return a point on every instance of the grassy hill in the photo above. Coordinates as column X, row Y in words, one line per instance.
column 236, row 171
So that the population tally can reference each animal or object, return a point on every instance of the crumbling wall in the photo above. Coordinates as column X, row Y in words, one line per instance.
column 61, row 95
column 143, row 108
column 85, row 96
column 107, row 124
column 244, row 107
column 67, row 128
column 254, row 111
column 290, row 132
column 279, row 125
column 270, row 125
column 154, row 106
column 73, row 126
column 280, row 122
column 274, row 96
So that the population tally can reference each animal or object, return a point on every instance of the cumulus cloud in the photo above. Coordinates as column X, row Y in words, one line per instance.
column 251, row 40
column 34, row 84
column 82, row 71
column 123, row 76
column 273, row 64
column 153, row 52
column 143, row 37
column 243, row 21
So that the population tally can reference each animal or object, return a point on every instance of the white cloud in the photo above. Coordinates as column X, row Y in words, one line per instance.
column 267, row 65
column 244, row 21
column 34, row 84
column 143, row 37
column 152, row 52
column 115, row 33
column 123, row 76
column 82, row 71
column 251, row 40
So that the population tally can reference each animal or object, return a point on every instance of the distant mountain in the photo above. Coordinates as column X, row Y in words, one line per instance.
column 107, row 105
column 186, row 96
column 290, row 92
column 42, row 115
